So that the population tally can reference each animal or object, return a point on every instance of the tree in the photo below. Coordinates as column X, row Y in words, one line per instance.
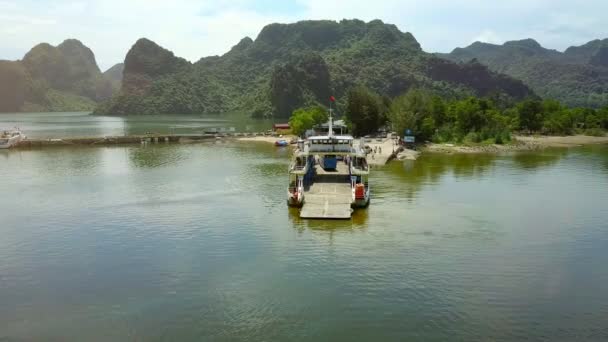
column 438, row 110
column 603, row 115
column 363, row 111
column 551, row 106
column 414, row 111
column 470, row 115
column 531, row 115
column 303, row 119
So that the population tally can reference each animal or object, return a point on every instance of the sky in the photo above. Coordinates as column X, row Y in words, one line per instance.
column 197, row 28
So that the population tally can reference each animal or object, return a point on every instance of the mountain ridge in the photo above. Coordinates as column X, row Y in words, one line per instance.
column 114, row 74
column 254, row 73
column 257, row 75
column 578, row 76
column 65, row 77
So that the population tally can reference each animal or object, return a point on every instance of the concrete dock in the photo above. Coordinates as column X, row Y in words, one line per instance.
column 386, row 150
column 126, row 139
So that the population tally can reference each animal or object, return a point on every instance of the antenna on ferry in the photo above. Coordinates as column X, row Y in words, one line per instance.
column 332, row 99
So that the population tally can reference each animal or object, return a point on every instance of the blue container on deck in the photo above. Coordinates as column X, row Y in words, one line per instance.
column 330, row 162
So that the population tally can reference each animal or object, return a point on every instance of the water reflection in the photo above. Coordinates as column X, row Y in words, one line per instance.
column 538, row 159
column 359, row 220
column 598, row 152
column 409, row 177
column 205, row 243
column 6, row 154
column 155, row 155
column 64, row 161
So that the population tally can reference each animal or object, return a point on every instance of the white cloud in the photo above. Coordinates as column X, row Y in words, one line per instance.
column 487, row 36
column 195, row 28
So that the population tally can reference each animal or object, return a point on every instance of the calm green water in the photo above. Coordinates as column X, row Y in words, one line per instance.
column 195, row 243
column 81, row 124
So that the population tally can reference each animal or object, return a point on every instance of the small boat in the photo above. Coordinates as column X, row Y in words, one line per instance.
column 281, row 143
column 11, row 138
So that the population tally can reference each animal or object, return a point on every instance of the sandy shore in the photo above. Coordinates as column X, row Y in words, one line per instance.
column 407, row 154
column 563, row 141
column 453, row 148
column 519, row 143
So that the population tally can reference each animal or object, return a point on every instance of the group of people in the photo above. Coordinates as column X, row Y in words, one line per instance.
column 377, row 149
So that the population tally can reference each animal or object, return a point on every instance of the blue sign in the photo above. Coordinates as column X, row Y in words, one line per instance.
column 408, row 132
column 409, row 139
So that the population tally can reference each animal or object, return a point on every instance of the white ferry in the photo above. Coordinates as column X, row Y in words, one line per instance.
column 328, row 172
column 11, row 138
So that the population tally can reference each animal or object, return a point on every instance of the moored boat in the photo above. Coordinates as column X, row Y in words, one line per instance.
column 11, row 138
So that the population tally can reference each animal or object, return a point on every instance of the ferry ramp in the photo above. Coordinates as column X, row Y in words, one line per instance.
column 327, row 199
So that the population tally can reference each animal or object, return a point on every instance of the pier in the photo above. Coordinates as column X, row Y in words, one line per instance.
column 386, row 150
column 129, row 139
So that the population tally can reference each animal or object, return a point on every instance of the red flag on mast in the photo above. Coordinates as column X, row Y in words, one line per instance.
column 332, row 99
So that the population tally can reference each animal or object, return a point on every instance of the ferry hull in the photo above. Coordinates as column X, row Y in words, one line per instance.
column 294, row 201
column 362, row 202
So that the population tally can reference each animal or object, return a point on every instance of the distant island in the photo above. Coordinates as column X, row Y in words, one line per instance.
column 56, row 78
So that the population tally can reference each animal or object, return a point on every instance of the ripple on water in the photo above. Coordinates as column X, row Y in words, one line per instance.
column 194, row 242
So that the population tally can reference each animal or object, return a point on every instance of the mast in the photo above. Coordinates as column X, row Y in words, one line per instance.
column 331, row 123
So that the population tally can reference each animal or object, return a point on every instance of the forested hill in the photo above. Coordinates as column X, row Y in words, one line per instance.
column 54, row 78
column 290, row 65
column 577, row 76
column 114, row 74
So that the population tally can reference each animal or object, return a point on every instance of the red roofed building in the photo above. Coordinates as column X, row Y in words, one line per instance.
column 277, row 126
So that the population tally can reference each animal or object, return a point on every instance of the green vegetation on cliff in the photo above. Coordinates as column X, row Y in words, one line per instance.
column 49, row 78
column 289, row 66
column 14, row 84
column 576, row 77
column 114, row 74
